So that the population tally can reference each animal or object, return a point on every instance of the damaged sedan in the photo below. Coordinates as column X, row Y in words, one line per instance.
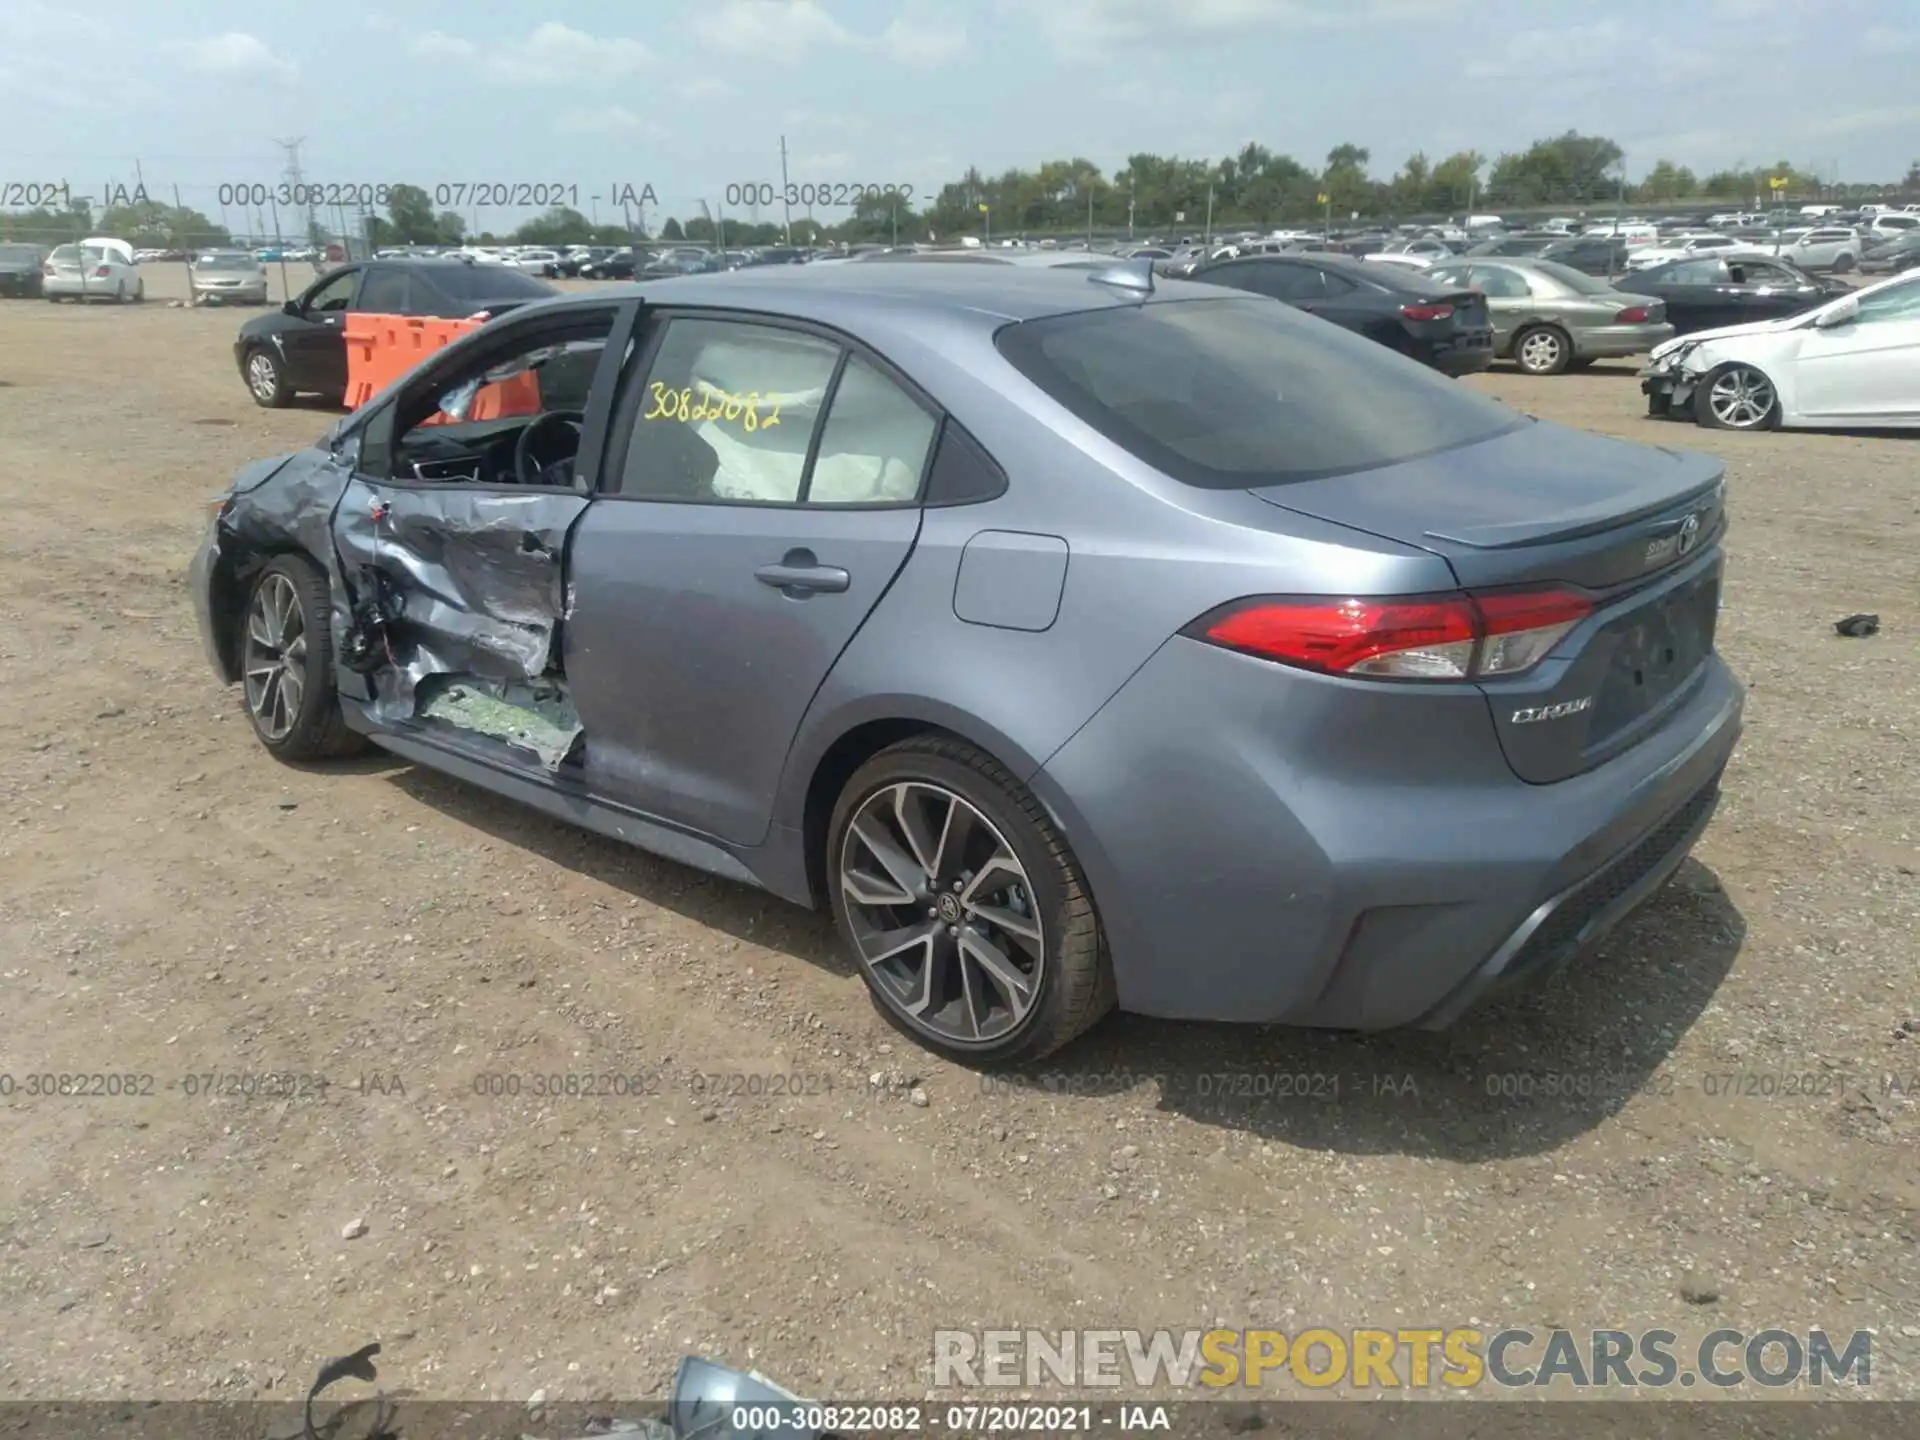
column 1853, row 362
column 1078, row 641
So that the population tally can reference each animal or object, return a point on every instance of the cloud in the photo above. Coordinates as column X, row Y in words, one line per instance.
column 610, row 120
column 235, row 54
column 781, row 30
column 924, row 38
column 787, row 31
column 702, row 87
column 1092, row 29
column 553, row 54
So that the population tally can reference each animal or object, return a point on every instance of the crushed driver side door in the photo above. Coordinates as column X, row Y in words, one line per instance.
column 451, row 537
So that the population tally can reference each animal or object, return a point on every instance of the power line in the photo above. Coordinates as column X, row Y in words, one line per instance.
column 297, row 183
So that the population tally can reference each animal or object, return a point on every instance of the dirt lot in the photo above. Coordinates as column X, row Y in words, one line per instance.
column 176, row 905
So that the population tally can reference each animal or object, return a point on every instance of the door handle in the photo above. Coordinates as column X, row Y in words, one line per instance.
column 798, row 573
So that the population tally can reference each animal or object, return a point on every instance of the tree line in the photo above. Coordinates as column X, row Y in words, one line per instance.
column 1150, row 193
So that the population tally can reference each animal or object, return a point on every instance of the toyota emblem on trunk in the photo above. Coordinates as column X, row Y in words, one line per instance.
column 1689, row 533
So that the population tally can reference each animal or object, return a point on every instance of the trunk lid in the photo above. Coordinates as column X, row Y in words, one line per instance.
column 1635, row 527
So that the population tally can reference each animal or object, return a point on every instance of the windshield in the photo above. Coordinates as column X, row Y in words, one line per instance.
column 488, row 282
column 1235, row 393
column 226, row 262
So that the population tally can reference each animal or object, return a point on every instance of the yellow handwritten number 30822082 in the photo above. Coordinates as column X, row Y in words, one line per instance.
column 743, row 410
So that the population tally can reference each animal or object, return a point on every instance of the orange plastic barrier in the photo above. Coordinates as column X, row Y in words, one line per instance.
column 382, row 348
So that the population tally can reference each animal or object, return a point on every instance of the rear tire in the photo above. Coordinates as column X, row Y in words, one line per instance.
column 1842, row 263
column 1736, row 397
column 286, row 664
column 1543, row 350
column 1003, row 961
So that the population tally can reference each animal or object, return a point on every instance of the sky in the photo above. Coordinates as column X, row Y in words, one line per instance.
column 694, row 96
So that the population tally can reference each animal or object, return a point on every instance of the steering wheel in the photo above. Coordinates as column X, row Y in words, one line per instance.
column 526, row 465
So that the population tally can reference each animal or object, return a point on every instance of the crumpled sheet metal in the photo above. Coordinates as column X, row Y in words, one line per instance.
column 290, row 500
column 478, row 579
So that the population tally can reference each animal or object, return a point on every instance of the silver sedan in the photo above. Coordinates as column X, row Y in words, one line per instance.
column 1549, row 318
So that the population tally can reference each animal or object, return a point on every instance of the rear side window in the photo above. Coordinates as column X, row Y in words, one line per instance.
column 385, row 292
column 1232, row 393
column 489, row 282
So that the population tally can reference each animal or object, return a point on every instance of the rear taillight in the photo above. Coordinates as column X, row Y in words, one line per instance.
column 46, row 270
column 1426, row 312
column 1431, row 637
column 103, row 272
column 1632, row 315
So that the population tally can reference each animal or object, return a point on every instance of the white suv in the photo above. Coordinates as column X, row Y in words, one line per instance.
column 1830, row 248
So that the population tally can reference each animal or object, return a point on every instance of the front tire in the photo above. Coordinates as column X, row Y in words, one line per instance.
column 267, row 379
column 1842, row 263
column 1736, row 397
column 1543, row 350
column 286, row 664
column 963, row 906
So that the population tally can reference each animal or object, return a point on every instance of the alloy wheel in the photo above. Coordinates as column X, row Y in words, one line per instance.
column 942, row 912
column 1741, row 398
column 276, row 657
column 262, row 378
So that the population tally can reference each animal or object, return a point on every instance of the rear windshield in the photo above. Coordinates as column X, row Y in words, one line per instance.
column 1575, row 280
column 1231, row 393
column 19, row 252
column 488, row 282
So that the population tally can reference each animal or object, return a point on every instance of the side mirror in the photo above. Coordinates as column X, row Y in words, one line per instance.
column 292, row 307
column 1845, row 313
column 711, row 1402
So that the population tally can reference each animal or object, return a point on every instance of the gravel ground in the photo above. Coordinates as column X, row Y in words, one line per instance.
column 175, row 905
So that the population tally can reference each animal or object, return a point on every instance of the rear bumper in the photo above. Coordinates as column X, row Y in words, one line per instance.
column 1459, row 357
column 1606, row 342
column 1322, row 853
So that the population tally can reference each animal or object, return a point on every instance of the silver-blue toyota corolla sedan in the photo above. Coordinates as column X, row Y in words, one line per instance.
column 1079, row 641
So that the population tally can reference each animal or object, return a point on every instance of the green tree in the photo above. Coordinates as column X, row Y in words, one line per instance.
column 1456, row 180
column 1345, row 179
column 1569, row 168
column 671, row 230
column 1412, row 183
column 559, row 226
column 1667, row 181
column 163, row 226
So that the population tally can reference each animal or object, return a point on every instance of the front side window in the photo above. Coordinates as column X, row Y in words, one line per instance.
column 1231, row 393
column 385, row 292
column 333, row 295
column 727, row 413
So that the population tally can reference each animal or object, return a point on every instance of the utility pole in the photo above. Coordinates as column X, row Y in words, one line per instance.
column 297, row 184
column 1129, row 207
column 785, row 201
column 1209, row 215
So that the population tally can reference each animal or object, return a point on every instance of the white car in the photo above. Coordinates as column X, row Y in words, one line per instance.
column 1833, row 248
column 536, row 262
column 95, row 269
column 228, row 276
column 1854, row 361
column 1893, row 223
column 1418, row 253
column 1685, row 247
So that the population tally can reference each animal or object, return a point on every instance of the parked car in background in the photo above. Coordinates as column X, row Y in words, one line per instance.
column 227, row 276
column 1836, row 249
column 1852, row 361
column 91, row 270
column 1526, row 242
column 1602, row 255
column 1707, row 293
column 1683, row 246
column 1425, row 249
column 537, row 262
column 1550, row 318
column 1893, row 223
column 1311, row 601
column 301, row 348
column 610, row 265
column 1448, row 327
column 1902, row 252
column 20, row 270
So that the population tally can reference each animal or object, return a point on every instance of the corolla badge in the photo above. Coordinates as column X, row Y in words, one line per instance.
column 1553, row 712
column 1681, row 542
column 1689, row 533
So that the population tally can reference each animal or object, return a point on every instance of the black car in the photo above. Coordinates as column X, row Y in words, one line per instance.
column 1602, row 255
column 1900, row 253
column 20, row 267
column 1444, row 326
column 614, row 265
column 1705, row 293
column 301, row 348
